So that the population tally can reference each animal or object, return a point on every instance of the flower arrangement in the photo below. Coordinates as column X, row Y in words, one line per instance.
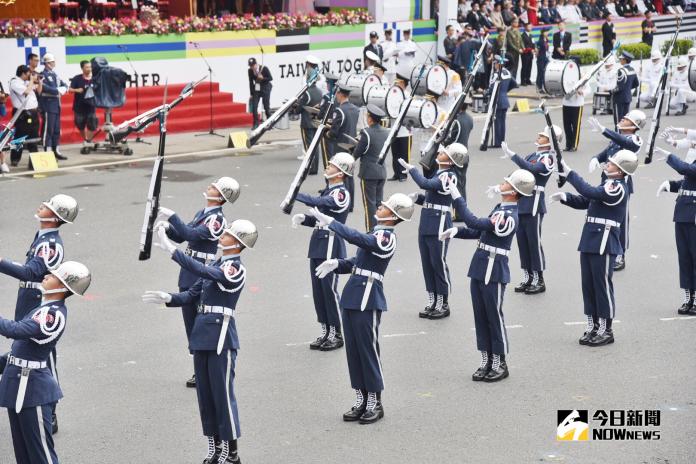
column 148, row 22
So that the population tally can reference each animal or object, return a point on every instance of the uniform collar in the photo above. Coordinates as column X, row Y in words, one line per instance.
column 208, row 209
column 52, row 302
column 504, row 204
column 46, row 231
column 380, row 227
column 228, row 257
column 333, row 186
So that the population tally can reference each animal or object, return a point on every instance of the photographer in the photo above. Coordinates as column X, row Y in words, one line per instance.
column 22, row 87
column 85, row 113
column 260, row 89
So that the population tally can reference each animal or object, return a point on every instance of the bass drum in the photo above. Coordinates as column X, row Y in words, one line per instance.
column 560, row 77
column 359, row 85
column 432, row 82
column 692, row 75
column 422, row 113
column 387, row 98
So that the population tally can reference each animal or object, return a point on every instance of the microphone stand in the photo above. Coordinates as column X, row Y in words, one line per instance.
column 210, row 91
column 138, row 139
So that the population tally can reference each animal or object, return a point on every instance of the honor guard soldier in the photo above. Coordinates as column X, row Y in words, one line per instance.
column 202, row 235
column 324, row 245
column 45, row 254
column 600, row 242
column 684, row 225
column 388, row 58
column 406, row 50
column 363, row 300
column 49, row 105
column 531, row 211
column 626, row 81
column 403, row 141
column 311, row 98
column 435, row 218
column 28, row 388
column 344, row 122
column 626, row 138
column 682, row 88
column 489, row 270
column 506, row 83
column 372, row 174
column 651, row 74
column 214, row 341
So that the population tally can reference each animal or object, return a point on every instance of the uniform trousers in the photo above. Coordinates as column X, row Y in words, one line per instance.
column 32, row 437
column 623, row 231
column 27, row 124
column 188, row 312
column 526, row 72
column 597, row 286
column 50, row 131
column 361, row 337
column 532, row 256
column 215, row 390
column 487, row 301
column 499, row 126
column 325, row 292
column 401, row 149
column 372, row 193
column 433, row 253
column 265, row 96
column 685, row 234
column 621, row 109
column 572, row 120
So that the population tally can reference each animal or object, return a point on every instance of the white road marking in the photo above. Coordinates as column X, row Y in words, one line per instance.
column 404, row 334
column 514, row 326
column 677, row 318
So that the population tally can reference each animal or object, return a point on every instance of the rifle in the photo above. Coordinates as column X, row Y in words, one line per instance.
column 660, row 93
column 308, row 158
column 8, row 131
column 268, row 124
column 152, row 205
column 669, row 90
column 588, row 75
column 640, row 86
column 442, row 131
column 554, row 141
column 490, row 116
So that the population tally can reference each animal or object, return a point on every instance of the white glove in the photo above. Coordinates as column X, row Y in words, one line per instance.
column 492, row 191
column 326, row 268
column 596, row 125
column 594, row 164
column 676, row 130
column 297, row 220
column 452, row 189
column 448, row 234
column 558, row 196
column 156, row 297
column 664, row 187
column 507, row 153
column 322, row 219
column 662, row 152
column 62, row 90
column 413, row 196
column 162, row 225
column 165, row 213
column 407, row 167
column 566, row 169
column 164, row 242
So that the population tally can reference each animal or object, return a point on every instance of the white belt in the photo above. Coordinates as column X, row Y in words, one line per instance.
column 537, row 189
column 371, row 277
column 26, row 366
column 329, row 246
column 687, row 193
column 444, row 208
column 23, row 284
column 199, row 254
column 227, row 313
column 322, row 227
column 492, row 251
column 608, row 224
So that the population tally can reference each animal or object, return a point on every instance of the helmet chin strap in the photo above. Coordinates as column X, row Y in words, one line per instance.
column 331, row 176
column 55, row 290
column 229, row 247
column 391, row 218
column 40, row 219
column 212, row 198
column 542, row 145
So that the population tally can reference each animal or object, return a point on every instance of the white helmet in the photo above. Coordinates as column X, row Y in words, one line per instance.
column 682, row 62
column 49, row 58
column 75, row 276
column 344, row 162
column 692, row 52
column 63, row 206
column 244, row 231
column 522, row 181
column 228, row 188
column 457, row 153
column 401, row 205
column 626, row 160
column 637, row 117
column 547, row 133
column 655, row 55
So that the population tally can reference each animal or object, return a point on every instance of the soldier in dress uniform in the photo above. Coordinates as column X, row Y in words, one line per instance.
column 459, row 133
column 626, row 81
column 49, row 105
column 681, row 87
column 344, row 122
column 531, row 210
column 403, row 141
column 214, row 341
column 372, row 174
column 28, row 388
column 600, row 242
column 406, row 50
column 202, row 235
column 626, row 138
column 45, row 254
column 506, row 84
column 312, row 97
column 435, row 218
column 489, row 270
column 363, row 300
column 324, row 244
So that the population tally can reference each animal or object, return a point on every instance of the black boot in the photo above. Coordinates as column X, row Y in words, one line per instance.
column 441, row 310
column 484, row 368
column 522, row 287
column 374, row 410
column 498, row 373
column 688, row 303
column 620, row 263
column 682, row 112
column 334, row 340
column 537, row 285
column 358, row 408
column 584, row 340
column 316, row 344
column 213, row 451
column 191, row 383
column 429, row 308
column 604, row 335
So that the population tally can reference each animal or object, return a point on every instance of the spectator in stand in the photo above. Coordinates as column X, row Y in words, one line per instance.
column 542, row 53
column 608, row 35
column 610, row 6
column 522, row 12
column 501, row 43
column 586, row 10
column 553, row 13
column 475, row 18
column 562, row 40
column 570, row 12
column 507, row 13
column 544, row 13
column 533, row 12
column 527, row 55
column 463, row 9
column 596, row 12
column 514, row 47
column 23, row 87
column 497, row 17
column 465, row 53
column 84, row 111
column 450, row 41
column 650, row 6
column 649, row 29
column 668, row 3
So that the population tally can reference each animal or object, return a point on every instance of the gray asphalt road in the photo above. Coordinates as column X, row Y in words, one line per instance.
column 123, row 363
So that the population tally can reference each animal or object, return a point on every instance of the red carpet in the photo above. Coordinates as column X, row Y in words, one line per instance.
column 192, row 115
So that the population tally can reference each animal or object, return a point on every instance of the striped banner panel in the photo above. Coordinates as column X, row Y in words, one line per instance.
column 230, row 43
column 139, row 47
column 292, row 40
column 626, row 30
column 424, row 31
column 321, row 38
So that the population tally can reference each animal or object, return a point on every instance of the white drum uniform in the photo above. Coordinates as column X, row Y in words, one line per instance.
column 407, row 53
column 454, row 88
column 680, row 86
column 652, row 70
column 389, row 60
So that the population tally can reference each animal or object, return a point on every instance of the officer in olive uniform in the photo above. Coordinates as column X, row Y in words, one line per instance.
column 489, row 270
column 343, row 130
column 202, row 235
column 363, row 300
column 214, row 341
column 324, row 244
column 600, row 242
column 626, row 81
column 372, row 174
column 28, row 388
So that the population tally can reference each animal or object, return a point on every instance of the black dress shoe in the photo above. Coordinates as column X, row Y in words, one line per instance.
column 14, row 164
column 355, row 414
column 426, row 312
column 523, row 286
column 682, row 112
column 191, row 383
column 440, row 313
column 587, row 336
column 685, row 308
column 620, row 264
column 316, row 344
column 372, row 415
column 496, row 375
column 233, row 459
column 54, row 424
column 692, row 311
column 481, row 372
column 330, row 345
column 600, row 340
column 61, row 157
column 540, row 287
